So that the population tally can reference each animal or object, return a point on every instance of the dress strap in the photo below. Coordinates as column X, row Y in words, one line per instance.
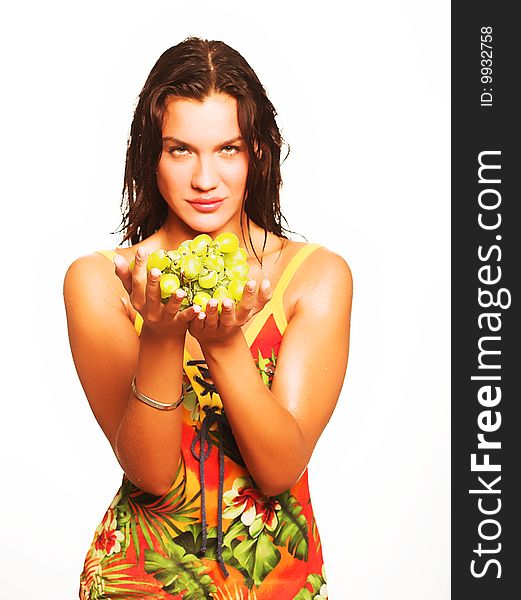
column 287, row 275
column 108, row 253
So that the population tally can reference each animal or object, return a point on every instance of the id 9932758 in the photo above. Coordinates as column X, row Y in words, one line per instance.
column 486, row 66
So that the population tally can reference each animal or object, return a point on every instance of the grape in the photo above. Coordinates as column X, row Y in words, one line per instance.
column 158, row 260
column 209, row 280
column 203, row 268
column 184, row 248
column 227, row 242
column 175, row 257
column 220, row 294
column 200, row 243
column 202, row 298
column 214, row 262
column 169, row 283
column 190, row 266
column 230, row 258
column 236, row 288
column 238, row 270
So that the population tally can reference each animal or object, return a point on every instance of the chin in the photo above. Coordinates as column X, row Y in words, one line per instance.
column 208, row 224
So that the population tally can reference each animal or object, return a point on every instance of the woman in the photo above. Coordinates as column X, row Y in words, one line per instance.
column 213, row 415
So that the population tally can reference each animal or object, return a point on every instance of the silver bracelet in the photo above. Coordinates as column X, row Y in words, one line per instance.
column 151, row 401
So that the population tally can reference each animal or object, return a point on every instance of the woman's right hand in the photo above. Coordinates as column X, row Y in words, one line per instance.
column 145, row 296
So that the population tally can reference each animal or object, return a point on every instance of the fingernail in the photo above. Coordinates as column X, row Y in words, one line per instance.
column 141, row 253
column 227, row 304
column 155, row 273
column 251, row 285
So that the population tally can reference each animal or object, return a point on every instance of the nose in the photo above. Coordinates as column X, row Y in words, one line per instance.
column 205, row 175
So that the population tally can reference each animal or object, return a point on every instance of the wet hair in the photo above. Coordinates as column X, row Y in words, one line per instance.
column 195, row 69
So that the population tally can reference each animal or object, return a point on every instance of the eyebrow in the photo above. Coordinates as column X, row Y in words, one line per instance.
column 175, row 140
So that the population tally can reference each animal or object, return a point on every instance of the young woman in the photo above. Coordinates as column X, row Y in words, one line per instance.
column 213, row 415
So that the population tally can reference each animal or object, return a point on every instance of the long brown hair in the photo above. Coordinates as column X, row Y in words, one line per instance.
column 195, row 69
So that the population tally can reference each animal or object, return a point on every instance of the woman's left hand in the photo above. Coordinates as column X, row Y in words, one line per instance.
column 211, row 328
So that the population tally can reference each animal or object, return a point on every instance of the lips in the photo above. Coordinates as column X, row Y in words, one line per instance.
column 206, row 204
column 211, row 200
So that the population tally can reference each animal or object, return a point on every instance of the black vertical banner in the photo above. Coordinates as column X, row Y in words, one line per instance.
column 486, row 268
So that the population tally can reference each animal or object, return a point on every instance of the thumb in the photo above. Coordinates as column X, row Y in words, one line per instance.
column 131, row 311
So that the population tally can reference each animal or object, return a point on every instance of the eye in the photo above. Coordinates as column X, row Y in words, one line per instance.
column 177, row 150
column 230, row 149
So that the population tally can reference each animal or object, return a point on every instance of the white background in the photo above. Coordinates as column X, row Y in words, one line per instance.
column 362, row 92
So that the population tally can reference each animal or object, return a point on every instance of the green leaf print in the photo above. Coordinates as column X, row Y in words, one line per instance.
column 230, row 542
column 102, row 580
column 266, row 367
column 314, row 529
column 192, row 540
column 316, row 581
column 292, row 529
column 257, row 556
column 318, row 588
column 191, row 402
column 236, row 529
column 180, row 572
column 157, row 516
column 304, row 594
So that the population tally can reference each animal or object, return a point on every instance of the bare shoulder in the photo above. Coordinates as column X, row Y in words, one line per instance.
column 88, row 263
column 320, row 257
column 322, row 279
column 91, row 276
column 323, row 257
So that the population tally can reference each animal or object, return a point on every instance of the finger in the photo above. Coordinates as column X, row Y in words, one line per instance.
column 265, row 292
column 173, row 306
column 191, row 313
column 212, row 313
column 153, row 293
column 188, row 316
column 247, row 302
column 198, row 322
column 227, row 318
column 123, row 272
column 139, row 278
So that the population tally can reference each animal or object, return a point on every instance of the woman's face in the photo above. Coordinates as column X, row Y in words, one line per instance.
column 203, row 158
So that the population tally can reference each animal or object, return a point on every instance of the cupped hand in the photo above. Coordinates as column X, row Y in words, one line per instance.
column 211, row 328
column 145, row 297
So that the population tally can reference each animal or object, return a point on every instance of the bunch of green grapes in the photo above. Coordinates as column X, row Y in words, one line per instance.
column 203, row 268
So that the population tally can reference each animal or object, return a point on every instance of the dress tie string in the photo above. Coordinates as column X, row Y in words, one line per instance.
column 205, row 447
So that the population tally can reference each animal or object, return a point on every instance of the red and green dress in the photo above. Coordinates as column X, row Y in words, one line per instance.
column 214, row 534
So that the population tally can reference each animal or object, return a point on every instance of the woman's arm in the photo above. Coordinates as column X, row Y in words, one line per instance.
column 107, row 352
column 276, row 430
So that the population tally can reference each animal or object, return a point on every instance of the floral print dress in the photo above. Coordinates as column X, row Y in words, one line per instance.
column 214, row 534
